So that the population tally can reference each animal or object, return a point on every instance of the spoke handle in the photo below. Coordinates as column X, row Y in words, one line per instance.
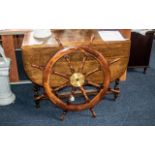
column 59, row 42
column 92, row 38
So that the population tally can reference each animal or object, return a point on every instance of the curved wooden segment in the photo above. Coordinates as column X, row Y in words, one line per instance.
column 93, row 84
column 69, row 63
column 92, row 72
column 114, row 61
column 89, row 103
column 82, row 64
column 84, row 93
column 62, row 86
column 38, row 67
column 61, row 75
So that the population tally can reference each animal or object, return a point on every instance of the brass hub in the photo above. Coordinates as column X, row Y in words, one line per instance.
column 77, row 79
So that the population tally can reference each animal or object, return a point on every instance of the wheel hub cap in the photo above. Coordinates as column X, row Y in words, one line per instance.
column 77, row 79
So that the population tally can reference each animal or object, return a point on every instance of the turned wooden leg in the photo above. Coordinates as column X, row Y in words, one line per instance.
column 116, row 83
column 116, row 94
column 37, row 104
column 63, row 115
column 145, row 68
column 36, row 90
column 116, row 88
column 93, row 112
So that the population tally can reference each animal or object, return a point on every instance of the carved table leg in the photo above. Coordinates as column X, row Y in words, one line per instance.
column 63, row 115
column 36, row 90
column 93, row 112
column 116, row 88
column 116, row 94
column 116, row 83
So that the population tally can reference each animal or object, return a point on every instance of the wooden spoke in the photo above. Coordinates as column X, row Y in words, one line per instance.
column 84, row 93
column 113, row 61
column 92, row 38
column 82, row 65
column 77, row 93
column 92, row 72
column 40, row 97
column 62, row 86
column 114, row 90
column 93, row 84
column 59, row 42
column 69, row 64
column 38, row 67
column 93, row 112
column 62, row 117
column 73, row 90
column 61, row 75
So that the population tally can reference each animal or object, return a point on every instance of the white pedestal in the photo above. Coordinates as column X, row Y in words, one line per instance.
column 7, row 100
column 6, row 95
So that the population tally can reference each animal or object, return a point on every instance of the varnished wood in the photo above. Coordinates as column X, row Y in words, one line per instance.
column 92, row 72
column 111, row 51
column 140, row 51
column 17, row 43
column 116, row 83
column 61, row 75
column 62, row 117
column 126, row 33
column 88, row 103
column 14, row 31
column 69, row 63
column 93, row 84
column 37, row 96
column 8, row 45
column 84, row 93
column 82, row 64
column 58, row 51
column 93, row 112
column 77, row 93
column 116, row 90
column 62, row 86
column 18, row 39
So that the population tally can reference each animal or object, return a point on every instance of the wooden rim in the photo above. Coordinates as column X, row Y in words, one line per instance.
column 76, row 107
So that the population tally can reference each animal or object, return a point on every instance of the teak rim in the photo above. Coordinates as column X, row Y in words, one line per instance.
column 76, row 107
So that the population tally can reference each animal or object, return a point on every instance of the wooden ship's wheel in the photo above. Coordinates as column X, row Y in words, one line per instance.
column 77, row 80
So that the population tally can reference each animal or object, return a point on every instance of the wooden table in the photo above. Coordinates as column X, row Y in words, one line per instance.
column 40, row 51
column 7, row 36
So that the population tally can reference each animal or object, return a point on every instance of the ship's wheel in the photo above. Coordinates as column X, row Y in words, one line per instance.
column 74, row 94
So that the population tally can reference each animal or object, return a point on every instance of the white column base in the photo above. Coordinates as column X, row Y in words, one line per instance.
column 8, row 100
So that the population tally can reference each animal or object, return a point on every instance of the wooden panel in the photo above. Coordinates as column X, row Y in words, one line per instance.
column 141, row 49
column 18, row 39
column 8, row 45
column 127, row 34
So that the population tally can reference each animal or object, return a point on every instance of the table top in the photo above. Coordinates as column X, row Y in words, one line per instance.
column 14, row 31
